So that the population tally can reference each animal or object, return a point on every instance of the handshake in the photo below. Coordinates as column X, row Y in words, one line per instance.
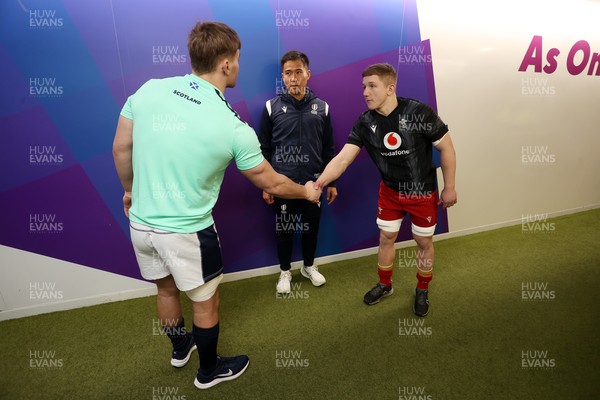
column 313, row 191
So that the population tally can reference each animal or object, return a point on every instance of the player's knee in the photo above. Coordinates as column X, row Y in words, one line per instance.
column 166, row 287
column 387, row 239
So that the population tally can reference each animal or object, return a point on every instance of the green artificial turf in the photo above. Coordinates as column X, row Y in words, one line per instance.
column 481, row 340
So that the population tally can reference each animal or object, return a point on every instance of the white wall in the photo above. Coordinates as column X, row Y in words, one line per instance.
column 477, row 49
column 33, row 284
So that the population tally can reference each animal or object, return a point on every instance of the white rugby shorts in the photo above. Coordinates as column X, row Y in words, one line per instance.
column 192, row 258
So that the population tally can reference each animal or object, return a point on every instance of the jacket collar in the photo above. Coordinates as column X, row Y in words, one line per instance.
column 288, row 98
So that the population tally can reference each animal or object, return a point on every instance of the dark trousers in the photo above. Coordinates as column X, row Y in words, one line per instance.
column 296, row 217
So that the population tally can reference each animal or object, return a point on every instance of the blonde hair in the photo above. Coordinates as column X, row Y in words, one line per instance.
column 384, row 71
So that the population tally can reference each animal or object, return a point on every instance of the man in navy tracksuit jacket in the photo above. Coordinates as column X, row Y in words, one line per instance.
column 296, row 137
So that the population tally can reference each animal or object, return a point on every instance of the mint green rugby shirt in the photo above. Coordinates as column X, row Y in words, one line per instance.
column 185, row 134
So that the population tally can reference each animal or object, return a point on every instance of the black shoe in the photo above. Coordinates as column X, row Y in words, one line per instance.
column 228, row 368
column 378, row 292
column 421, row 307
column 180, row 358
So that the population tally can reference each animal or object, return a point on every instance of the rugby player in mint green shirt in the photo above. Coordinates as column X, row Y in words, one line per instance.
column 184, row 137
column 174, row 139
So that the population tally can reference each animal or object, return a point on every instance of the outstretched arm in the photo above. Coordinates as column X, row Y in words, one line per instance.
column 264, row 177
column 338, row 165
column 265, row 136
column 328, row 154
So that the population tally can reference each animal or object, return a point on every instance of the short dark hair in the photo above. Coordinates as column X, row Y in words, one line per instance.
column 209, row 42
column 384, row 71
column 293, row 55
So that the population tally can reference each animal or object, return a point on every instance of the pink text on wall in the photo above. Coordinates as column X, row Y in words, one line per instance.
column 580, row 58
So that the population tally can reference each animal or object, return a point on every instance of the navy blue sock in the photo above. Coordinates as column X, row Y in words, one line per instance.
column 206, row 341
column 178, row 335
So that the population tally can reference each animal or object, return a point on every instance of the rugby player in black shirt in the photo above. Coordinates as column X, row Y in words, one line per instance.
column 399, row 133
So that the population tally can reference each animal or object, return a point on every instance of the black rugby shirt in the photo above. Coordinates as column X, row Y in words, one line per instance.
column 401, row 143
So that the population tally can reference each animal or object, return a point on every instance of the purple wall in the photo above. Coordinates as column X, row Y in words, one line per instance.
column 68, row 67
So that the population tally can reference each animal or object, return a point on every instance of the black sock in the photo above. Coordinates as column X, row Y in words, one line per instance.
column 178, row 335
column 206, row 341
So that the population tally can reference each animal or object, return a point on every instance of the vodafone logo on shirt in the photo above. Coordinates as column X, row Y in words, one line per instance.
column 392, row 141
